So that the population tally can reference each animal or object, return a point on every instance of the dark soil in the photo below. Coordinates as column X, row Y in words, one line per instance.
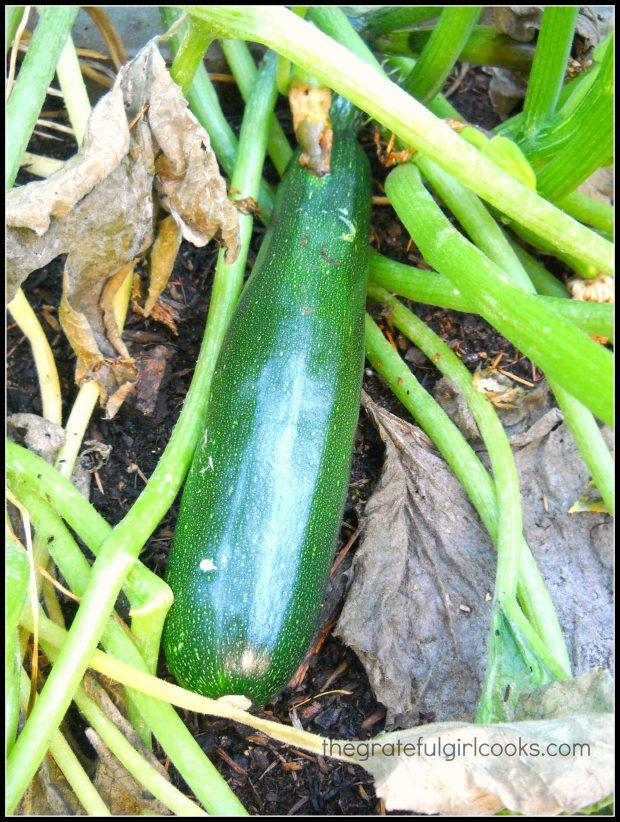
column 267, row 777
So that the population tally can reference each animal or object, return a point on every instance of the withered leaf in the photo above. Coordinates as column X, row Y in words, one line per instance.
column 143, row 151
column 447, row 769
column 49, row 794
column 163, row 254
column 117, row 787
column 424, row 554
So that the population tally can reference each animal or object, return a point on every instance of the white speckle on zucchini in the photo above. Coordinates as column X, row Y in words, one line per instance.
column 207, row 565
column 342, row 215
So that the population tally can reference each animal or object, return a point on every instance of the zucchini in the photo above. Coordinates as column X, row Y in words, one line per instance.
column 263, row 500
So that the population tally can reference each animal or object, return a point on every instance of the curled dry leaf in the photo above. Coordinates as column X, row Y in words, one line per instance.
column 143, row 151
column 424, row 554
column 448, row 770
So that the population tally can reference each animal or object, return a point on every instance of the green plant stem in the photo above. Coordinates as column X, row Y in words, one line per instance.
column 483, row 230
column 190, row 54
column 565, row 354
column 432, row 288
column 485, row 233
column 205, row 105
column 553, row 46
column 69, row 765
column 12, row 18
column 531, row 588
column 12, row 667
column 583, row 155
column 443, row 49
column 119, row 551
column 333, row 22
column 588, row 210
column 49, row 384
column 473, row 476
column 74, row 90
column 585, row 270
column 148, row 595
column 366, row 88
column 484, row 46
column 388, row 18
column 590, row 443
column 476, row 220
column 143, row 772
column 35, row 75
column 36, row 478
column 244, row 71
column 571, row 95
column 577, row 100
column 543, row 280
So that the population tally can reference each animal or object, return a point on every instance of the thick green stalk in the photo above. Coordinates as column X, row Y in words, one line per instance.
column 476, row 220
column 543, row 280
column 439, row 105
column 590, row 149
column 35, row 75
column 299, row 41
column 588, row 211
column 432, row 288
column 571, row 95
column 388, row 18
column 244, row 70
column 485, row 233
column 120, row 550
column 563, row 353
column 546, row 79
column 531, row 589
column 582, row 269
column 443, row 49
column 485, row 46
column 37, row 477
column 334, row 22
column 190, row 54
column 205, row 105
column 576, row 100
column 481, row 228
column 473, row 476
column 12, row 18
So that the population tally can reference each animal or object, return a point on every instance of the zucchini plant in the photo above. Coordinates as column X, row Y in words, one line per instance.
column 268, row 422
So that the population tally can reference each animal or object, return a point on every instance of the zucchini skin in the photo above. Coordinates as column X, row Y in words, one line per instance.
column 263, row 501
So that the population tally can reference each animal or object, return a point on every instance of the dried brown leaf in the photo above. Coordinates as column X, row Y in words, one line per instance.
column 143, row 151
column 117, row 787
column 163, row 254
column 151, row 371
column 461, row 783
column 447, row 771
column 424, row 555
column 49, row 794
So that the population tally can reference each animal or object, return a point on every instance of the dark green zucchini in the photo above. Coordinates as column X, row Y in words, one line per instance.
column 263, row 501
